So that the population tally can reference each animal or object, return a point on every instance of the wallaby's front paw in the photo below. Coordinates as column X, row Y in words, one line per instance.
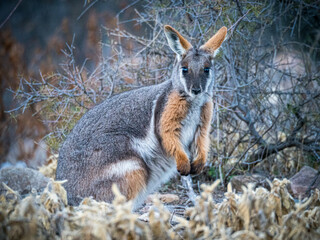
column 183, row 165
column 197, row 166
column 184, row 169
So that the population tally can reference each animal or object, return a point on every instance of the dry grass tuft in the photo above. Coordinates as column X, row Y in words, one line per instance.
column 256, row 214
column 49, row 169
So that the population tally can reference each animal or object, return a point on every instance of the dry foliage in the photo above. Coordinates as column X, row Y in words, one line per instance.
column 49, row 169
column 256, row 214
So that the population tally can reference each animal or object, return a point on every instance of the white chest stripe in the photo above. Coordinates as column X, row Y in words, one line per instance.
column 191, row 122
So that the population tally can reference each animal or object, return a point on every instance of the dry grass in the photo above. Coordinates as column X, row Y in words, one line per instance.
column 256, row 214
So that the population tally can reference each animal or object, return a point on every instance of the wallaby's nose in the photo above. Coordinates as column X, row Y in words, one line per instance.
column 196, row 91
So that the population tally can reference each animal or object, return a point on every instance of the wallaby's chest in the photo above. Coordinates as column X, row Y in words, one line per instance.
column 191, row 123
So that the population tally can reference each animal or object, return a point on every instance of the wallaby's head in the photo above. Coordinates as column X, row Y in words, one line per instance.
column 193, row 73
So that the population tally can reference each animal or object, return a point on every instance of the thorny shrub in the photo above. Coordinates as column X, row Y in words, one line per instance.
column 266, row 78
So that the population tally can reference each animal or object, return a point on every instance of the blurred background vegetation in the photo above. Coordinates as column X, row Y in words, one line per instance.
column 60, row 58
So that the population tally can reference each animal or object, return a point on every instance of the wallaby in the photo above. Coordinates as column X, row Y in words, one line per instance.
column 140, row 138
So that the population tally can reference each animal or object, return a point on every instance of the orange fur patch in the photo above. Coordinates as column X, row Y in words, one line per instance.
column 215, row 42
column 136, row 181
column 203, row 140
column 174, row 112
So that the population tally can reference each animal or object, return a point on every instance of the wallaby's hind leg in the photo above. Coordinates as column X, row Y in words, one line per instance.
column 130, row 176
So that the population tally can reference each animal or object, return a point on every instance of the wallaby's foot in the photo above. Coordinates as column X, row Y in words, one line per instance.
column 197, row 166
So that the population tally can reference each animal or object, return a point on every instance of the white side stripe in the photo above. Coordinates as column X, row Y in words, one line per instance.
column 121, row 168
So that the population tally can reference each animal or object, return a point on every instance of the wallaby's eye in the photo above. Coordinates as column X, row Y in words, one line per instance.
column 206, row 70
column 184, row 69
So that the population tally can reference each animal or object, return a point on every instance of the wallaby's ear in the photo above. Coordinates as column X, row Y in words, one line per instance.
column 213, row 44
column 176, row 42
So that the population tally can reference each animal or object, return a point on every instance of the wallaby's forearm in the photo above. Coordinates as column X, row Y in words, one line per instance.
column 203, row 139
column 173, row 114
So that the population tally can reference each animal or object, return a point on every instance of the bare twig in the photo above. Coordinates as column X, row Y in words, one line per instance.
column 10, row 14
column 187, row 182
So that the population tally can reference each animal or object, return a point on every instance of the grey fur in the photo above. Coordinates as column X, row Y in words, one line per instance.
column 103, row 136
